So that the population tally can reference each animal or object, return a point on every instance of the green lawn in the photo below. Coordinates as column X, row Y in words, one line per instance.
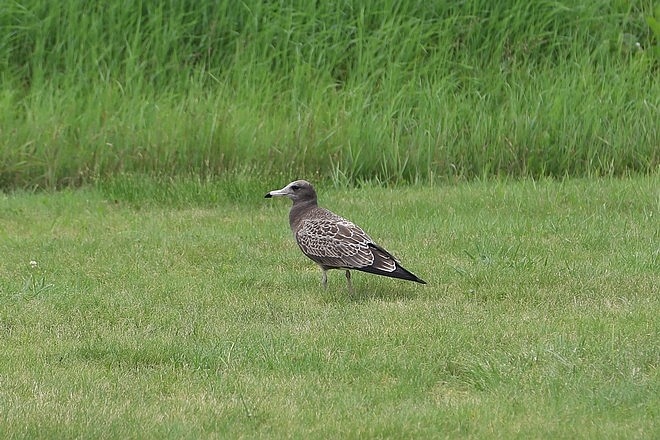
column 187, row 319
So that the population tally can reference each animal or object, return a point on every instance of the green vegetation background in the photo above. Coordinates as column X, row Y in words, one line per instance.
column 394, row 91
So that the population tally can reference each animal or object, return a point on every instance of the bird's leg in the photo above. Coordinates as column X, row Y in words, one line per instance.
column 348, row 280
column 324, row 280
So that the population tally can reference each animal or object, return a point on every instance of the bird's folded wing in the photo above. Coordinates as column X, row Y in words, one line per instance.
column 335, row 243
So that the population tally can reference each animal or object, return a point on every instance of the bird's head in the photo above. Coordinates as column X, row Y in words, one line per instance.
column 298, row 191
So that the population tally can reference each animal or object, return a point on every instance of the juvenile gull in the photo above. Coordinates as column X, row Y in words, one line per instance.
column 333, row 242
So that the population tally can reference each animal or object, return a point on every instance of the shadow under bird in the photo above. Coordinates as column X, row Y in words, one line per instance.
column 333, row 242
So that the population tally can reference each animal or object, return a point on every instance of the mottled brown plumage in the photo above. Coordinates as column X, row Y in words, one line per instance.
column 333, row 242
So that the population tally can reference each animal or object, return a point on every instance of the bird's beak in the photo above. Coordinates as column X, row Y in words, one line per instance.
column 277, row 193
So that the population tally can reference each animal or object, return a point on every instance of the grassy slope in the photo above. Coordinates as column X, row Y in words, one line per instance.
column 540, row 318
column 399, row 91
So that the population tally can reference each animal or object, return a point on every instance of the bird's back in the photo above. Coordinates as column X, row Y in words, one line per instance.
column 332, row 241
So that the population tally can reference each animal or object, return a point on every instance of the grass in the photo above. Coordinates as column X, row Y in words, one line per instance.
column 399, row 91
column 165, row 298
column 172, row 317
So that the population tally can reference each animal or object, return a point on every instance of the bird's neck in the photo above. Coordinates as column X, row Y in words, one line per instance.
column 299, row 212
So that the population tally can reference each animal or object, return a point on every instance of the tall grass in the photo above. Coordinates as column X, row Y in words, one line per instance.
column 394, row 91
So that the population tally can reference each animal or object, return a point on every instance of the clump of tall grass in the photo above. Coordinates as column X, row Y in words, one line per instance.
column 398, row 91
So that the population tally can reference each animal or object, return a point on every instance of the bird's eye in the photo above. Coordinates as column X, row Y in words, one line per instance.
column 295, row 187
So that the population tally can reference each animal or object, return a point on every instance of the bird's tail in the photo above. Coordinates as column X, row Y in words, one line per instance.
column 400, row 272
column 387, row 265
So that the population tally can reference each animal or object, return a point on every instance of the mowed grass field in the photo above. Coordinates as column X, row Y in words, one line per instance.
column 121, row 317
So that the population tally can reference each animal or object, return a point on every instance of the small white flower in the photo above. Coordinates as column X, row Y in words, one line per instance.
column 33, row 264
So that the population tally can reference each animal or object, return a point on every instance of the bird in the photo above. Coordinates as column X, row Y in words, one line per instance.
column 333, row 242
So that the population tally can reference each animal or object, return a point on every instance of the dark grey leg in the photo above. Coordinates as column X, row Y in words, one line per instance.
column 324, row 280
